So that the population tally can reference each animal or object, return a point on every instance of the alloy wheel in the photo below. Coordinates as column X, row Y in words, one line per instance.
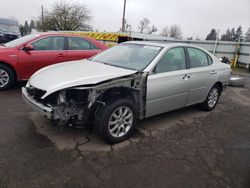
column 120, row 121
column 4, row 78
column 213, row 97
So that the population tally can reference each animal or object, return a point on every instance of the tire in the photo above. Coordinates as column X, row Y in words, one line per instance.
column 7, row 77
column 212, row 98
column 119, row 111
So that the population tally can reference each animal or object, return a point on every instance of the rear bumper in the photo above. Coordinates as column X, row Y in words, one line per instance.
column 44, row 110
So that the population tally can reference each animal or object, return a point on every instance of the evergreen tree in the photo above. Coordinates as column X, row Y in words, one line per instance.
column 247, row 38
column 212, row 35
column 238, row 33
column 26, row 28
column 226, row 36
column 22, row 29
column 32, row 26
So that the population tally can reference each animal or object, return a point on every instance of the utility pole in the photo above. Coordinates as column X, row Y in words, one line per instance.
column 216, row 41
column 42, row 20
column 123, row 17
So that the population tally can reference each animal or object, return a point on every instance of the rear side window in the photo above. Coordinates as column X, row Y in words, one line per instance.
column 75, row 43
column 197, row 58
column 93, row 47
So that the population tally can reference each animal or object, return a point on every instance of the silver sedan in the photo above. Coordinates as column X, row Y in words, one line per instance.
column 126, row 83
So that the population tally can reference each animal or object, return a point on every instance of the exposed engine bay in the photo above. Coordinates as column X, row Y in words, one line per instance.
column 77, row 106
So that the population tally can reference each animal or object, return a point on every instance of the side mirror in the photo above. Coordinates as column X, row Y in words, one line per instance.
column 28, row 47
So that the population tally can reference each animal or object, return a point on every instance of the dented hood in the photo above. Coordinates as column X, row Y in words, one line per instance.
column 75, row 73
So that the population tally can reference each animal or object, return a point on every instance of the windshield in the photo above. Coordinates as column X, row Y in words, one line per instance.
column 9, row 28
column 21, row 40
column 130, row 56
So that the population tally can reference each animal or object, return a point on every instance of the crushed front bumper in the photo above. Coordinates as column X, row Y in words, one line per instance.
column 44, row 110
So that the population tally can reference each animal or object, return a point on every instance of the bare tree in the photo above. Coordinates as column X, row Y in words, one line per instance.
column 127, row 27
column 144, row 24
column 64, row 16
column 174, row 31
column 165, row 32
column 152, row 29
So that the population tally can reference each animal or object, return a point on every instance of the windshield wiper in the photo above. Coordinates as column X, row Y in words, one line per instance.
column 113, row 65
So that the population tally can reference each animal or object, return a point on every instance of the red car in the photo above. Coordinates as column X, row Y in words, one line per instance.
column 22, row 57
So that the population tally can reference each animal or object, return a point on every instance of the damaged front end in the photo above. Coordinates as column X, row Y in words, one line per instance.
column 77, row 105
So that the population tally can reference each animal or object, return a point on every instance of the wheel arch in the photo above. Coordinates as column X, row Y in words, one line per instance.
column 220, row 85
column 119, row 92
column 11, row 67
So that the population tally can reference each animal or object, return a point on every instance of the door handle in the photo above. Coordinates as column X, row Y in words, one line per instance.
column 60, row 55
column 213, row 72
column 186, row 77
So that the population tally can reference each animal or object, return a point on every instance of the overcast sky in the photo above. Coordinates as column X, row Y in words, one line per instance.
column 196, row 17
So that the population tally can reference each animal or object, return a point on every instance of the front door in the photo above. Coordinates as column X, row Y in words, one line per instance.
column 47, row 51
column 167, row 87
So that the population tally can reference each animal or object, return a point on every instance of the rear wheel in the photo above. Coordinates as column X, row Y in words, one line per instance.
column 7, row 77
column 212, row 98
column 116, row 121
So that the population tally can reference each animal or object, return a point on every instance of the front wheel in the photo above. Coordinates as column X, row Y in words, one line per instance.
column 7, row 77
column 116, row 121
column 212, row 98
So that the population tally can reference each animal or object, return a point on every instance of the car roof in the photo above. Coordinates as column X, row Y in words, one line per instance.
column 55, row 33
column 161, row 43
column 165, row 44
column 58, row 33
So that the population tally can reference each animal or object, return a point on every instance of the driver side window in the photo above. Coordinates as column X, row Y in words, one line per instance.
column 49, row 43
column 174, row 59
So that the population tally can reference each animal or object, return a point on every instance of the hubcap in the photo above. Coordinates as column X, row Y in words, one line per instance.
column 120, row 121
column 213, row 97
column 4, row 78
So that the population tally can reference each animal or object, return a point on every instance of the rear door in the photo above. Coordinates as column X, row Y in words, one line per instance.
column 167, row 87
column 202, row 75
column 80, row 48
column 47, row 51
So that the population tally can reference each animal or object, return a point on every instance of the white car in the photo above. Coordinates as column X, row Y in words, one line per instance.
column 131, row 81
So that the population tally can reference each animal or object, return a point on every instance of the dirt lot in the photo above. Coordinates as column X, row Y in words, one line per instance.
column 184, row 148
